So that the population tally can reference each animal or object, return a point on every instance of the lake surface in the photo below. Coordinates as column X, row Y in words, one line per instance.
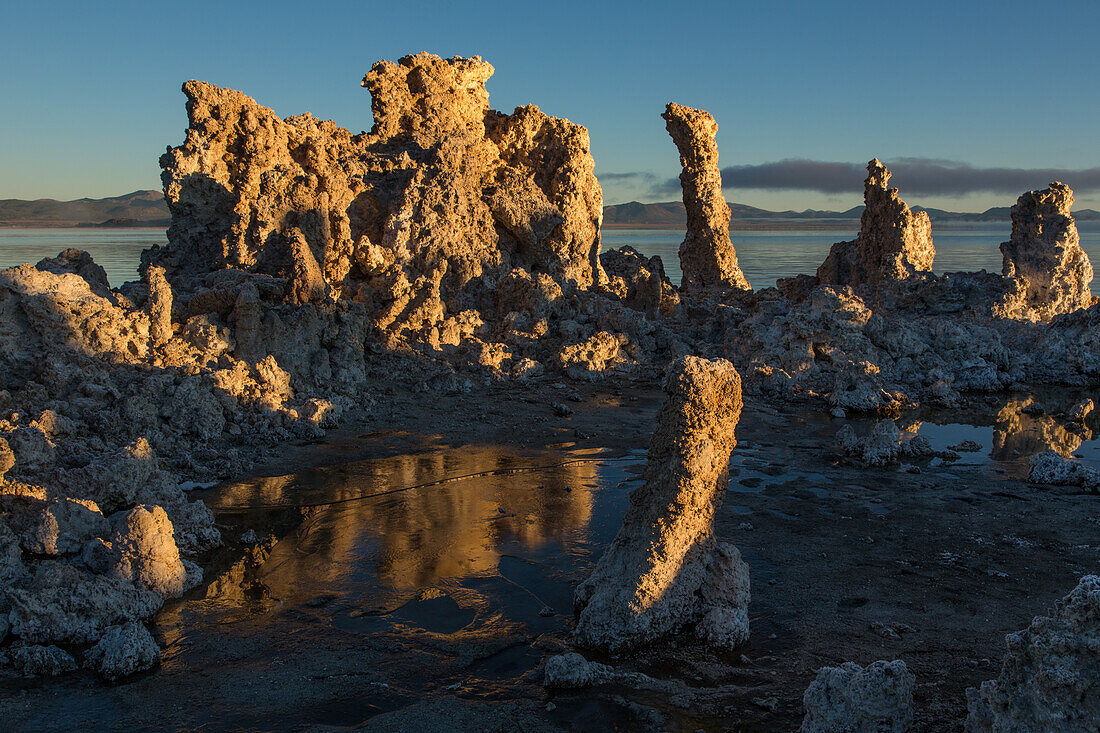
column 118, row 251
column 764, row 256
column 767, row 256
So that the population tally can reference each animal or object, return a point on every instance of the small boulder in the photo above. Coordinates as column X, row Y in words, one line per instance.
column 853, row 699
column 34, row 660
column 123, row 651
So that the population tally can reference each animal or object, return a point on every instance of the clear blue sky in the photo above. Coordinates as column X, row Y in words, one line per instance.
column 89, row 96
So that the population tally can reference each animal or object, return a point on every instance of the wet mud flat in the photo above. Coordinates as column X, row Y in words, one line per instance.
column 412, row 571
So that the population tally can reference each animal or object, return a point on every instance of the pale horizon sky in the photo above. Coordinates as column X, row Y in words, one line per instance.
column 89, row 93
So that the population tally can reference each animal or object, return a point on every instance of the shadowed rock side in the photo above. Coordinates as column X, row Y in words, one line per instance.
column 707, row 257
column 877, row 698
column 665, row 570
column 1050, row 678
column 894, row 243
column 1044, row 256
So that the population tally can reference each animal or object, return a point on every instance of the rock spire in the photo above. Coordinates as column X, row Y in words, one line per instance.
column 707, row 257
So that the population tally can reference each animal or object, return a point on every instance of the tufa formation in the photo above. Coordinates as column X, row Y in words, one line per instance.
column 1044, row 257
column 707, row 258
column 894, row 243
column 665, row 570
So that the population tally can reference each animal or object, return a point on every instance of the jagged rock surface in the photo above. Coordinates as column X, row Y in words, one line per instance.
column 665, row 570
column 1044, row 256
column 122, row 651
column 894, row 243
column 1047, row 467
column 707, row 257
column 853, row 699
column 1050, row 678
column 442, row 190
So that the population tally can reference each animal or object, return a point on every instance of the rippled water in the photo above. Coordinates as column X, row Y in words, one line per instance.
column 764, row 256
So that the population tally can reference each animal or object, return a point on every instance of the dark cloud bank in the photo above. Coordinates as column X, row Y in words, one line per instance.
column 920, row 176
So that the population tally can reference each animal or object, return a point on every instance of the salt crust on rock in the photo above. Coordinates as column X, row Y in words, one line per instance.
column 35, row 660
column 664, row 569
column 853, row 699
column 142, row 550
column 1047, row 467
column 62, row 603
column 1050, row 677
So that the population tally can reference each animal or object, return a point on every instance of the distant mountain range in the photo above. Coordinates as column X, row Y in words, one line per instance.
column 140, row 208
column 670, row 215
column 147, row 209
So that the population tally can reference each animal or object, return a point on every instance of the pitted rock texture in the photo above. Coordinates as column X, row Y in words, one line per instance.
column 707, row 257
column 1044, row 256
column 123, row 651
column 1050, row 677
column 418, row 219
column 894, row 243
column 142, row 550
column 664, row 569
column 877, row 698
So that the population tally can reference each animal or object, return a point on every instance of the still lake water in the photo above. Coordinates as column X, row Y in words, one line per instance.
column 764, row 256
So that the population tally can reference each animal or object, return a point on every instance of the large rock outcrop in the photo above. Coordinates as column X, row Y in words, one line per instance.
column 665, row 570
column 707, row 257
column 894, row 243
column 419, row 218
column 1044, row 256
column 1050, row 677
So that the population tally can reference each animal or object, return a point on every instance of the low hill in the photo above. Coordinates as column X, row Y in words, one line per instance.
column 147, row 209
column 670, row 215
column 140, row 208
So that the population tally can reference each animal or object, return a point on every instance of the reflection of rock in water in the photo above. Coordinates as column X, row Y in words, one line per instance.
column 415, row 538
column 1017, row 434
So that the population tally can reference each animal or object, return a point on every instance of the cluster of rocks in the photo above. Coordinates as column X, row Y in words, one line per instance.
column 453, row 244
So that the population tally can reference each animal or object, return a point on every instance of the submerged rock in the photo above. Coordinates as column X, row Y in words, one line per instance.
column 1045, row 258
column 665, row 570
column 707, row 257
column 1050, row 678
column 853, row 699
column 894, row 243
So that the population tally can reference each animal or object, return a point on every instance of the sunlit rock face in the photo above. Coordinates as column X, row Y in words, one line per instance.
column 707, row 257
column 418, row 218
column 665, row 570
column 894, row 243
column 1044, row 256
